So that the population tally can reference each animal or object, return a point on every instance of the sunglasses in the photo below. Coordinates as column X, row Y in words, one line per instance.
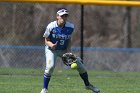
column 65, row 15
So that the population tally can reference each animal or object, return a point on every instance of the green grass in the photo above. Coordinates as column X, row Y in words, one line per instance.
column 67, row 81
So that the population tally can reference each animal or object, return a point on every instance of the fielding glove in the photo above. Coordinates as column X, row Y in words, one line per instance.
column 69, row 58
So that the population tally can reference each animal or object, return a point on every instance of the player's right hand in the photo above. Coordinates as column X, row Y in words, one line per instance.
column 54, row 46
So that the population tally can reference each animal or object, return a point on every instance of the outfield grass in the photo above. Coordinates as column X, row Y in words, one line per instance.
column 67, row 81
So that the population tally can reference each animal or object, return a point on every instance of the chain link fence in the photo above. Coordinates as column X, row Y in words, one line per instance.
column 100, row 59
column 105, row 39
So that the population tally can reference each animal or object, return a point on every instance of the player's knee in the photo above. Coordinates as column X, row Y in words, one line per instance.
column 49, row 71
column 81, row 68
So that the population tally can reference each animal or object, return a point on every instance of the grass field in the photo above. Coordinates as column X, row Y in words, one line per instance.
column 67, row 81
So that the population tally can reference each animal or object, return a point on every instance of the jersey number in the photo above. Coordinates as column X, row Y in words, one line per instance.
column 62, row 42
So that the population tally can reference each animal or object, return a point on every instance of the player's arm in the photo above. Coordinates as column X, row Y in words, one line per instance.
column 50, row 44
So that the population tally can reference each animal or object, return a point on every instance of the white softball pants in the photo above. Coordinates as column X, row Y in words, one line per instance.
column 51, row 57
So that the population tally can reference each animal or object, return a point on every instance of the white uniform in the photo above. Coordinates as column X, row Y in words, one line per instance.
column 62, row 37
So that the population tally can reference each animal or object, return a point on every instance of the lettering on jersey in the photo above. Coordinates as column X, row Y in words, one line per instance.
column 61, row 36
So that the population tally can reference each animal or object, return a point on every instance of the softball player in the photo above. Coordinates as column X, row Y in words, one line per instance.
column 58, row 41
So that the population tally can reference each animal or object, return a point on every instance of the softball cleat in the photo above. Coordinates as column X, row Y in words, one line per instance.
column 44, row 91
column 94, row 89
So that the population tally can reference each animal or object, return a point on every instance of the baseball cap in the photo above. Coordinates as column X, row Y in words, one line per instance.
column 62, row 12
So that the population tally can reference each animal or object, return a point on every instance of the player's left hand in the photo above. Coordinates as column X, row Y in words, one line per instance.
column 68, row 58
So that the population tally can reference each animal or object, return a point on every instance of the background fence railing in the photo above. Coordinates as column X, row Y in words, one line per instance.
column 99, row 59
